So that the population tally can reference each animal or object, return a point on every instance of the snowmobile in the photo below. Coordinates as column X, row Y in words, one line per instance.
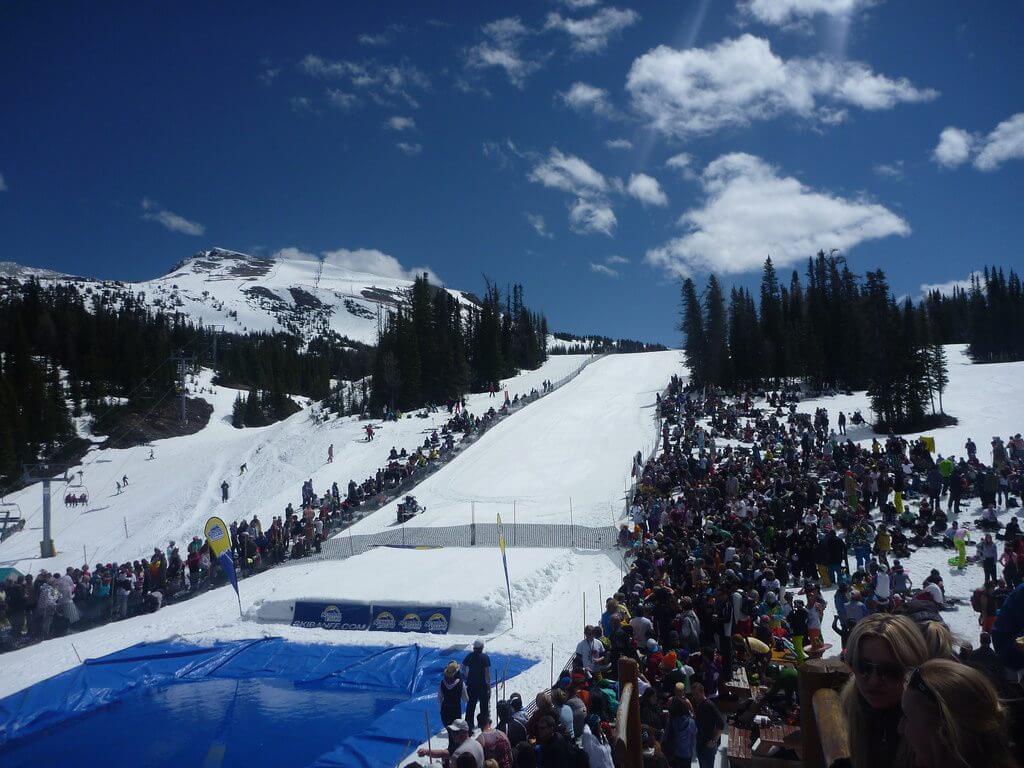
column 409, row 508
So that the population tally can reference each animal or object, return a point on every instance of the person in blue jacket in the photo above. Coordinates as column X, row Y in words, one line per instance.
column 680, row 736
column 1008, row 628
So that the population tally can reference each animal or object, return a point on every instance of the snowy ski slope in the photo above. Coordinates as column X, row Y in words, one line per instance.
column 574, row 444
column 171, row 497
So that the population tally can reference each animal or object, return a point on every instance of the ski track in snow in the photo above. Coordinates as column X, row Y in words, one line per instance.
column 576, row 442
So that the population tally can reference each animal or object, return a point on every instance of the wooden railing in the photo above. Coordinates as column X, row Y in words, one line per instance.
column 826, row 738
column 628, row 748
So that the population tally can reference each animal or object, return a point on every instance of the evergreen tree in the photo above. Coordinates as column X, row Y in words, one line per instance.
column 692, row 326
column 718, row 364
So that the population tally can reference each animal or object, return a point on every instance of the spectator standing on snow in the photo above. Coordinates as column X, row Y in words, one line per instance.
column 476, row 671
column 224, row 491
column 450, row 694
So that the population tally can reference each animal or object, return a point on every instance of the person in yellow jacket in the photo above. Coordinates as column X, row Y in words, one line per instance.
column 883, row 545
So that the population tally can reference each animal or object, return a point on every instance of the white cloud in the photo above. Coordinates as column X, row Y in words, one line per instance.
column 607, row 268
column 152, row 211
column 383, row 83
column 946, row 288
column 368, row 261
column 583, row 97
column 569, row 174
column 591, row 35
column 591, row 211
column 1005, row 142
column 619, row 144
column 301, row 104
column 735, row 82
column 646, row 189
column 398, row 123
column 3, row 184
column 683, row 162
column 577, row 4
column 340, row 99
column 889, row 170
column 410, row 148
column 592, row 216
column 537, row 222
column 750, row 211
column 604, row 269
column 374, row 40
column 954, row 147
column 787, row 12
column 501, row 49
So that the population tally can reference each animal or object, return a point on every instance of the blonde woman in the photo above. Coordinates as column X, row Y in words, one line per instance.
column 881, row 650
column 952, row 718
column 939, row 639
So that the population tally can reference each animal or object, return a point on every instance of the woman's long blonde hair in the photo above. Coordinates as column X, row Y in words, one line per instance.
column 972, row 722
column 905, row 640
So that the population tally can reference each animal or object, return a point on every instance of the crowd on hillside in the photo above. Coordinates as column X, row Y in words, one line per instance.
column 37, row 607
column 752, row 528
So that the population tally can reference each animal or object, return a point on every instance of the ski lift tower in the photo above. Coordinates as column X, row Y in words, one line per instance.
column 46, row 472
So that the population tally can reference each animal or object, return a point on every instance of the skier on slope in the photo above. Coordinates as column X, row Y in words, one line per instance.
column 369, row 433
column 224, row 491
column 330, row 454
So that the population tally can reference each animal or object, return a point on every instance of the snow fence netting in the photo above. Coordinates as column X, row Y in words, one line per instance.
column 392, row 687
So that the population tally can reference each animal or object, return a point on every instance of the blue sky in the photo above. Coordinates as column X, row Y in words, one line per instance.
column 594, row 151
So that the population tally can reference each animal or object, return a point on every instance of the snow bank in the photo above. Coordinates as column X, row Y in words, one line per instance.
column 469, row 581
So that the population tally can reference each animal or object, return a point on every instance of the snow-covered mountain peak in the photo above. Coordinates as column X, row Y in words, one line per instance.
column 221, row 263
column 343, row 292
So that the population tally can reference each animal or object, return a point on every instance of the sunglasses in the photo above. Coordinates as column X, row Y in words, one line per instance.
column 885, row 670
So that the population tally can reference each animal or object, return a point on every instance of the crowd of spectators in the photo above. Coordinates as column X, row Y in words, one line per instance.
column 753, row 527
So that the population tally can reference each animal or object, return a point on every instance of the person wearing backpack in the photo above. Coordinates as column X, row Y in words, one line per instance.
column 679, row 739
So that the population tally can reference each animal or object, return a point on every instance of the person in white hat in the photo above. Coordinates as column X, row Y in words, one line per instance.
column 458, row 743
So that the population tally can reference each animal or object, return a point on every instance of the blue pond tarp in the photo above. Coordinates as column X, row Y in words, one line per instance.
column 245, row 703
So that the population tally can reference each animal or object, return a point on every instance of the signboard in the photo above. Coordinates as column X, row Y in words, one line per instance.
column 409, row 618
column 331, row 615
column 376, row 618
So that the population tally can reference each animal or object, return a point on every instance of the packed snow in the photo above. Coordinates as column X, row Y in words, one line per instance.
column 571, row 448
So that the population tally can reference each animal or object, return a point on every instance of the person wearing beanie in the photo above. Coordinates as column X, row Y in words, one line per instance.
column 450, row 694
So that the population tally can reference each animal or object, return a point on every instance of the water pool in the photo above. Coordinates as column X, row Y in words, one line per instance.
column 245, row 704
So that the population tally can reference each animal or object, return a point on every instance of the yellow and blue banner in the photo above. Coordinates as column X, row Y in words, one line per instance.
column 219, row 536
column 504, row 562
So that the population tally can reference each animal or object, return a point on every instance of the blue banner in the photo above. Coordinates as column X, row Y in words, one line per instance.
column 331, row 615
column 409, row 618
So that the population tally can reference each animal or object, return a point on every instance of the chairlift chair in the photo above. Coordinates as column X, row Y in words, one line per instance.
column 76, row 492
column 10, row 517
